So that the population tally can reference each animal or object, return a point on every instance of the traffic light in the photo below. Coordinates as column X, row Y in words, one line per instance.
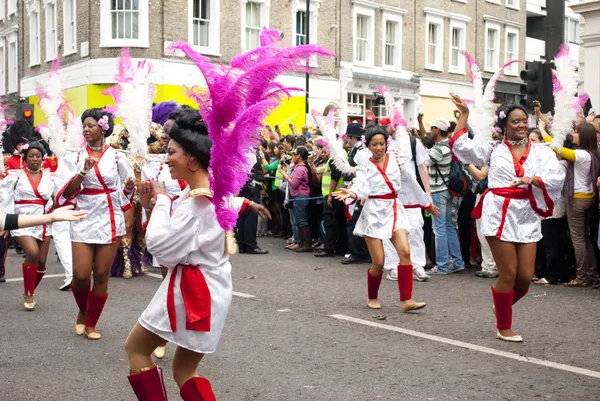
column 531, row 89
column 24, row 112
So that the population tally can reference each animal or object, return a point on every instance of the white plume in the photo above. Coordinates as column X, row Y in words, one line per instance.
column 565, row 80
column 336, row 149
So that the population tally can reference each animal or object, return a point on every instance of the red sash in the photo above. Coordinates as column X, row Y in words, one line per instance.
column 391, row 196
column 196, row 298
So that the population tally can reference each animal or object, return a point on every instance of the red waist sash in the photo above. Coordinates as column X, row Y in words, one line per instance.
column 196, row 298
column 96, row 191
column 515, row 193
column 40, row 202
column 390, row 196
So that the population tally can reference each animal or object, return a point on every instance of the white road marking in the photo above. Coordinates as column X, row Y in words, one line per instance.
column 11, row 280
column 237, row 294
column 473, row 347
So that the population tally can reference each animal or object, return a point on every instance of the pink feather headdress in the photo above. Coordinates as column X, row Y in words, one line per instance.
column 238, row 98
column 63, row 131
column 134, row 94
column 394, row 112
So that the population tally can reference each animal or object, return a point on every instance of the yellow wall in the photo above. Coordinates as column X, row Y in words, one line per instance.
column 436, row 107
column 84, row 97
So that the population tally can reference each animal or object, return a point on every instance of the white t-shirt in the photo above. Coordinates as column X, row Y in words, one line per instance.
column 582, row 178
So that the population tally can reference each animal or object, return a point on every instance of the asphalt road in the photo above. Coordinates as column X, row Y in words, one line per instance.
column 299, row 329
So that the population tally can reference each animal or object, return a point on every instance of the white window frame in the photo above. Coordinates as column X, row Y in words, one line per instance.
column 51, row 37
column 13, row 84
column 2, row 10
column 315, row 6
column 214, row 45
column 397, row 19
column 69, row 43
column 265, row 16
column 2, row 68
column 35, row 49
column 494, row 64
column 439, row 21
column 516, row 6
column 460, row 68
column 512, row 69
column 494, row 1
column 106, row 39
column 369, row 12
column 12, row 8
column 568, row 38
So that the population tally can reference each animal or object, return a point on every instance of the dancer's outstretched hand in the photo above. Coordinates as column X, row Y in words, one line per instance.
column 67, row 213
column 259, row 210
column 342, row 194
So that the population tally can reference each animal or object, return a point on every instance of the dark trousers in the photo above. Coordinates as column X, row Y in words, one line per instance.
column 3, row 252
column 315, row 217
column 429, row 237
column 245, row 233
column 275, row 207
column 357, row 245
column 334, row 221
column 466, row 225
column 553, row 251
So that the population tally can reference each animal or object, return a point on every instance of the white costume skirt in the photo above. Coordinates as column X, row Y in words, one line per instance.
column 378, row 219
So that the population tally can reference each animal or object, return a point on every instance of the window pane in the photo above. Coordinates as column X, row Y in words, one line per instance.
column 127, row 30
column 205, row 9
column 135, row 5
column 135, row 26
column 114, row 21
column 127, row 5
column 196, row 9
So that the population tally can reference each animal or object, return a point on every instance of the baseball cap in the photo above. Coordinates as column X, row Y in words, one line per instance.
column 441, row 123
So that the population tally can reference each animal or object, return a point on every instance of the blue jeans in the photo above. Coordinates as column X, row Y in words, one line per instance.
column 299, row 212
column 446, row 238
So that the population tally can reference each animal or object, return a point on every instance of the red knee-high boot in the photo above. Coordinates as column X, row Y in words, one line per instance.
column 405, row 282
column 503, row 305
column 149, row 385
column 95, row 307
column 29, row 273
column 197, row 389
column 38, row 277
column 518, row 295
column 81, row 297
column 373, row 283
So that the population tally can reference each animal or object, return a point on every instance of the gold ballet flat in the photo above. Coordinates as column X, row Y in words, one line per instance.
column 92, row 336
column 29, row 306
column 412, row 306
column 79, row 329
column 160, row 352
column 511, row 339
column 373, row 304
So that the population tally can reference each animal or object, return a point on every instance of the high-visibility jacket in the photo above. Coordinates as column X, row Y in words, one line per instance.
column 326, row 179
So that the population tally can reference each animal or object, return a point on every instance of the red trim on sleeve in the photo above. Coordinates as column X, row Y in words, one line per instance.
column 456, row 135
column 245, row 205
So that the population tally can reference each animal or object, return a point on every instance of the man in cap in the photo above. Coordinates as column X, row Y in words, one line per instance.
column 446, row 238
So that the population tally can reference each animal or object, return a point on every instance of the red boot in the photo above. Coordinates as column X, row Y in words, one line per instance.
column 405, row 282
column 197, row 389
column 149, row 385
column 81, row 297
column 518, row 295
column 39, row 276
column 373, row 283
column 95, row 306
column 29, row 274
column 503, row 306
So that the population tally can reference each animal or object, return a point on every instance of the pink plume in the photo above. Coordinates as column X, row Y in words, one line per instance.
column 331, row 116
column 55, row 65
column 563, row 52
column 238, row 99
column 124, row 67
column 556, row 85
column 110, row 109
column 40, row 127
column 472, row 62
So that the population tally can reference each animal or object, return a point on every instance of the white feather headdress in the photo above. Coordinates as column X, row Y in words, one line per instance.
column 336, row 149
column 133, row 94
column 63, row 130
column 481, row 117
column 565, row 80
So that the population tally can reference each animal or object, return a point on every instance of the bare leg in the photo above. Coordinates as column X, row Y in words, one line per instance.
column 525, row 266
column 185, row 365
column 44, row 246
column 139, row 347
column 376, row 271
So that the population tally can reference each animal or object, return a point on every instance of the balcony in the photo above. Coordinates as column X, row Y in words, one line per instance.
column 536, row 8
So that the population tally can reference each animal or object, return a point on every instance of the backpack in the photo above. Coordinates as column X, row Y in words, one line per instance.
column 413, row 150
column 459, row 182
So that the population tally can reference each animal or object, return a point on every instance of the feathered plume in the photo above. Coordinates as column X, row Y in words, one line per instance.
column 161, row 111
column 133, row 94
column 239, row 97
column 58, row 113
column 394, row 112
column 481, row 117
column 336, row 149
column 566, row 104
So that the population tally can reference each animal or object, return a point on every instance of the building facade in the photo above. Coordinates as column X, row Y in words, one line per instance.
column 410, row 47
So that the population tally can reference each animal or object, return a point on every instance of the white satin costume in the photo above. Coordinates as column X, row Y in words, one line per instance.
column 102, row 194
column 20, row 194
column 190, row 306
column 385, row 189
column 512, row 214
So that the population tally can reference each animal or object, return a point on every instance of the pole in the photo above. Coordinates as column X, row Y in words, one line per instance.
column 308, row 59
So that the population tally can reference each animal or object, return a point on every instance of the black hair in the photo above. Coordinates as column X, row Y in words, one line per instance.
column 299, row 142
column 191, row 133
column 452, row 127
column 291, row 139
column 587, row 137
column 38, row 138
column 183, row 109
column 507, row 109
column 303, row 153
column 97, row 114
column 427, row 141
column 20, row 132
column 375, row 130
column 34, row 145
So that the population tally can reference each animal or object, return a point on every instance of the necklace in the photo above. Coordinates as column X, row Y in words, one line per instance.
column 199, row 192
column 518, row 143
column 32, row 171
column 96, row 148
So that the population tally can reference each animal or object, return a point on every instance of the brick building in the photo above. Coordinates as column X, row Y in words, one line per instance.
column 410, row 47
